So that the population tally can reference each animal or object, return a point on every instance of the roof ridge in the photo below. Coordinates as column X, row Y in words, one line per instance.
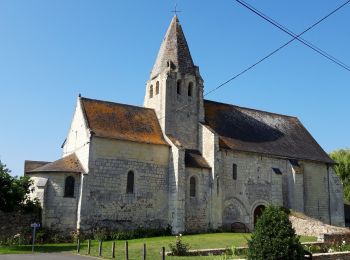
column 37, row 161
column 115, row 103
column 253, row 109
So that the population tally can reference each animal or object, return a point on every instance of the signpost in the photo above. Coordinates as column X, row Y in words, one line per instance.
column 34, row 226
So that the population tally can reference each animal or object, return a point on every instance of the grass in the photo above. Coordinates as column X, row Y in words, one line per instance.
column 44, row 248
column 154, row 245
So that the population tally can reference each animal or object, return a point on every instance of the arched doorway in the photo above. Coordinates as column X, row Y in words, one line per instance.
column 258, row 212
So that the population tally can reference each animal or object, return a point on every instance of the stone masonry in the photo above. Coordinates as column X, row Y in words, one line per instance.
column 182, row 161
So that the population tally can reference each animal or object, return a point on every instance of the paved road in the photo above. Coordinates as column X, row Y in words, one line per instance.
column 45, row 256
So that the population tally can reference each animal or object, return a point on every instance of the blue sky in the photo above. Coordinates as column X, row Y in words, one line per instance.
column 52, row 50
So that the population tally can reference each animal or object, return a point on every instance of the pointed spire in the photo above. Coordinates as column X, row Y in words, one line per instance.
column 174, row 51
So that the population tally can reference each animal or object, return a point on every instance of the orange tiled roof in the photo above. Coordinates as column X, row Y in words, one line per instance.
column 123, row 122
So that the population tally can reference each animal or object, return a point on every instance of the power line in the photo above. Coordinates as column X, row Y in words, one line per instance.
column 278, row 49
column 287, row 31
column 268, row 55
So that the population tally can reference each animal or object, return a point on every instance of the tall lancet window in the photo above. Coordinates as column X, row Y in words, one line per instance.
column 157, row 88
column 190, row 89
column 178, row 87
column 151, row 91
column 69, row 187
column 130, row 182
column 192, row 187
column 234, row 171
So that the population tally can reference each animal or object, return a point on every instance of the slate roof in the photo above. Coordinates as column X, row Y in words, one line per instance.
column 251, row 130
column 31, row 165
column 174, row 48
column 194, row 159
column 69, row 163
column 123, row 122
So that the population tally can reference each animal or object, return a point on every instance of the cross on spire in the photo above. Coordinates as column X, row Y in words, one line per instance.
column 175, row 10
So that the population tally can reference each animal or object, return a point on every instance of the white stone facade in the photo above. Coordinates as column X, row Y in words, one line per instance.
column 230, row 184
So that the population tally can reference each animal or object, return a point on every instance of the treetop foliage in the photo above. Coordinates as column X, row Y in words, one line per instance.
column 342, row 168
column 274, row 237
column 14, row 192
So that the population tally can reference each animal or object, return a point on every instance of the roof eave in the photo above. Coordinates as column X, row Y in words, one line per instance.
column 281, row 156
column 128, row 140
column 53, row 171
column 199, row 167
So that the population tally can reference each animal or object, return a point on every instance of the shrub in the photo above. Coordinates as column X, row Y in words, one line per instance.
column 14, row 192
column 46, row 235
column 101, row 234
column 179, row 248
column 137, row 233
column 274, row 237
column 77, row 234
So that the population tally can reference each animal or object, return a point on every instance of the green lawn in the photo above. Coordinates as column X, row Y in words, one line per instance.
column 154, row 245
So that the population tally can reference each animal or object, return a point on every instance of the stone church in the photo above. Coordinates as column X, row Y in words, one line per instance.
column 182, row 161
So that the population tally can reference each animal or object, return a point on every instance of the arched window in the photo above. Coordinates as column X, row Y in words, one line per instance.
column 130, row 182
column 190, row 89
column 69, row 187
column 258, row 212
column 234, row 171
column 192, row 187
column 217, row 186
column 157, row 88
column 178, row 87
column 151, row 91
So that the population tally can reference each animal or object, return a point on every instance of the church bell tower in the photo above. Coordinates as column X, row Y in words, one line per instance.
column 175, row 89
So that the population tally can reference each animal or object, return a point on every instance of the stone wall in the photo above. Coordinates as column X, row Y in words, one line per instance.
column 182, row 111
column 177, row 192
column 332, row 256
column 105, row 201
column 336, row 199
column 209, row 146
column 316, row 195
column 293, row 184
column 307, row 226
column 58, row 212
column 179, row 113
column 78, row 138
column 12, row 223
column 256, row 184
column 337, row 238
column 198, row 207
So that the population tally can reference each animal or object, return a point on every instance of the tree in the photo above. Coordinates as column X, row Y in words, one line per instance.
column 14, row 191
column 274, row 237
column 342, row 169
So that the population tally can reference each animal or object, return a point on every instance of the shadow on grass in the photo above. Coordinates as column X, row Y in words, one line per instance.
column 50, row 248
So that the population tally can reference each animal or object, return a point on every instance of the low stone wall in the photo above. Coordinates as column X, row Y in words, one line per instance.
column 336, row 239
column 306, row 226
column 204, row 252
column 318, row 256
column 12, row 223
column 332, row 256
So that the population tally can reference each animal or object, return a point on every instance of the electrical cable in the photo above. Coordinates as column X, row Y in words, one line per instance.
column 268, row 55
column 287, row 31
